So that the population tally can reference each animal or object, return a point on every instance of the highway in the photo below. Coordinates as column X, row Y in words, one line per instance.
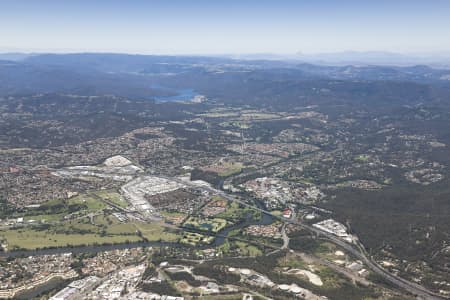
column 357, row 250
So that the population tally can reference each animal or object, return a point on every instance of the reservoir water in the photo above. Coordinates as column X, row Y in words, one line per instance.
column 182, row 95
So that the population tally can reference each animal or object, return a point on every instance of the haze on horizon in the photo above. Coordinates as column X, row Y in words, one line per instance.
column 213, row 27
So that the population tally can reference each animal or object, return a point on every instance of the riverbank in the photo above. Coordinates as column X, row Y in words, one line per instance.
column 86, row 249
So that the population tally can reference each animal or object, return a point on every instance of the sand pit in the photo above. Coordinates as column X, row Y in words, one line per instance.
column 313, row 278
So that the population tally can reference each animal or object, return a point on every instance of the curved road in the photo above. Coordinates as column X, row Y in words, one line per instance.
column 358, row 252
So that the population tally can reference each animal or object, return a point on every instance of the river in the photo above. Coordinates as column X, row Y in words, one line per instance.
column 86, row 249
column 266, row 219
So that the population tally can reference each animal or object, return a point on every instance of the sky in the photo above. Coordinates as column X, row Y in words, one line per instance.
column 225, row 27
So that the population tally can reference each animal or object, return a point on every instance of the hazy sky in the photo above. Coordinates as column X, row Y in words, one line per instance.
column 227, row 26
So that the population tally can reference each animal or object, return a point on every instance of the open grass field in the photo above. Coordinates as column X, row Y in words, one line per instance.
column 90, row 202
column 231, row 169
column 33, row 239
column 45, row 217
column 113, row 197
column 104, row 229
column 224, row 168
column 56, row 210
column 362, row 158
column 247, row 249
column 155, row 232
column 220, row 115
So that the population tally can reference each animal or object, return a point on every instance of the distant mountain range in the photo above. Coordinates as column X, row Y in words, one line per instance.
column 358, row 58
column 437, row 60
column 151, row 76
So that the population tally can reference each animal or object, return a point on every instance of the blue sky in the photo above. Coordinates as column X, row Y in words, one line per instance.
column 217, row 27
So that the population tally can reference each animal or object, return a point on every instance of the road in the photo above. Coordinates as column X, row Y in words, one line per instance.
column 285, row 237
column 357, row 250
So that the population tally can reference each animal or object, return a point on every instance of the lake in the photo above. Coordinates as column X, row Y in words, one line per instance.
column 182, row 95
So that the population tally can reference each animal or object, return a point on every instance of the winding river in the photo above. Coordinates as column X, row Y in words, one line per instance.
column 219, row 240
column 85, row 249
